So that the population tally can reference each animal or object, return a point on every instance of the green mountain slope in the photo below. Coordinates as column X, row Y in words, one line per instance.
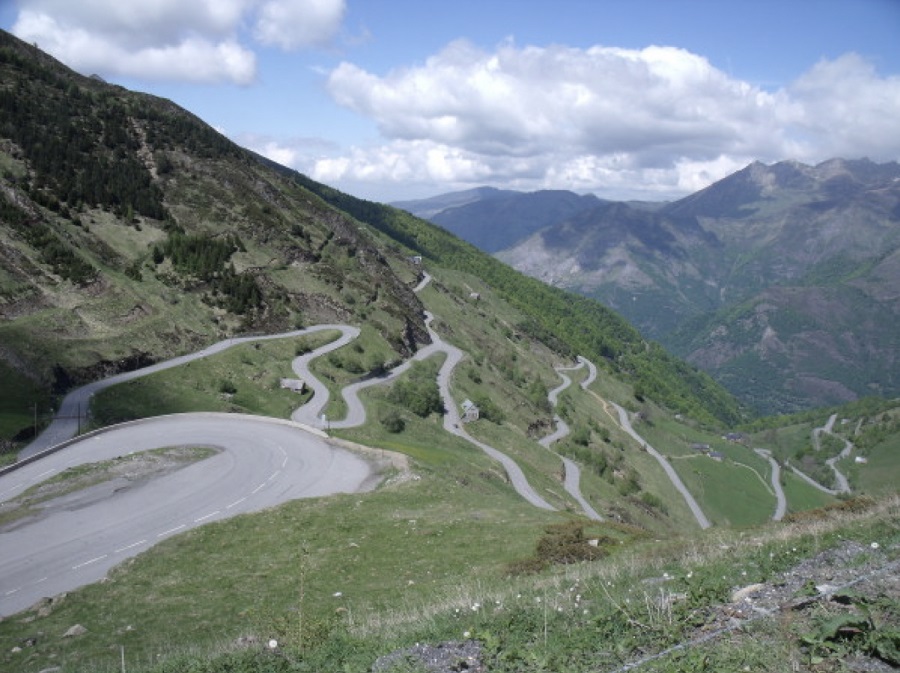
column 152, row 234
column 200, row 240
column 780, row 281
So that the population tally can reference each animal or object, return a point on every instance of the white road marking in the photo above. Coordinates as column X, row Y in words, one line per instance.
column 12, row 591
column 87, row 563
column 236, row 502
column 131, row 546
column 204, row 518
column 274, row 474
column 43, row 473
column 258, row 489
column 170, row 531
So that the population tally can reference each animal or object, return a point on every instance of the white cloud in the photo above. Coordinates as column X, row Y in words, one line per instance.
column 185, row 40
column 846, row 108
column 658, row 121
column 298, row 153
column 290, row 24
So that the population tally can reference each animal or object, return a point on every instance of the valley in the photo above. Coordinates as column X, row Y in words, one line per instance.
column 780, row 281
column 399, row 438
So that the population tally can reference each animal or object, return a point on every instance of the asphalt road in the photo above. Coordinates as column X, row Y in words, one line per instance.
column 572, row 480
column 66, row 423
column 780, row 499
column 666, row 466
column 264, row 462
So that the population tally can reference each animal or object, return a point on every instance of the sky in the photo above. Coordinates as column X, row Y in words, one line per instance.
column 401, row 99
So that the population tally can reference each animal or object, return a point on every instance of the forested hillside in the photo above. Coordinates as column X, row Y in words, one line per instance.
column 148, row 223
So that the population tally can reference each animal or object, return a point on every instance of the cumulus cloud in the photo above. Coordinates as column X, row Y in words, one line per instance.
column 299, row 153
column 290, row 24
column 195, row 41
column 661, row 118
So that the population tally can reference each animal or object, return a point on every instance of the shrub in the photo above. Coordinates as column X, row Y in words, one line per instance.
column 393, row 422
column 561, row 543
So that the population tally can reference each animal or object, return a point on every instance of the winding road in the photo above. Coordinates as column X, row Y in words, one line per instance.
column 263, row 462
column 842, row 482
column 780, row 499
column 625, row 422
column 572, row 480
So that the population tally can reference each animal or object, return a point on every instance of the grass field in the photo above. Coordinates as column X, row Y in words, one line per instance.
column 879, row 475
column 245, row 378
column 728, row 493
column 406, row 544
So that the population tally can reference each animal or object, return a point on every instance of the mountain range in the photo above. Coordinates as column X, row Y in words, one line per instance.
column 131, row 231
column 781, row 281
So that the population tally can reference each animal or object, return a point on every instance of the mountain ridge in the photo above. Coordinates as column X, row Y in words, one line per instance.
column 671, row 269
column 201, row 240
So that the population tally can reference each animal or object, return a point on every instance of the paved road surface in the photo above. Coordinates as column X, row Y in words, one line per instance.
column 454, row 425
column 572, row 481
column 842, row 481
column 264, row 462
column 780, row 499
column 666, row 466
column 66, row 424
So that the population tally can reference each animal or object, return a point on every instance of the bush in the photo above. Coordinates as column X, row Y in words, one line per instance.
column 418, row 391
column 393, row 422
column 561, row 543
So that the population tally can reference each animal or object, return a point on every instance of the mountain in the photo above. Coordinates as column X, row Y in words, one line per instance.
column 781, row 281
column 494, row 219
column 428, row 208
column 131, row 231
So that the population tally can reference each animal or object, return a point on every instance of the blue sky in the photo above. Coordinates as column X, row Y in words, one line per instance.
column 397, row 99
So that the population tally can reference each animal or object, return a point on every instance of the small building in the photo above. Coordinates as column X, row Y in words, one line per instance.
column 416, row 259
column 470, row 411
column 862, row 460
column 474, row 296
column 703, row 448
column 717, row 455
column 294, row 385
column 734, row 437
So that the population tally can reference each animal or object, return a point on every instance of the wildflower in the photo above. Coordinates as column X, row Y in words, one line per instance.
column 874, row 545
column 273, row 644
column 337, row 594
column 467, row 634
